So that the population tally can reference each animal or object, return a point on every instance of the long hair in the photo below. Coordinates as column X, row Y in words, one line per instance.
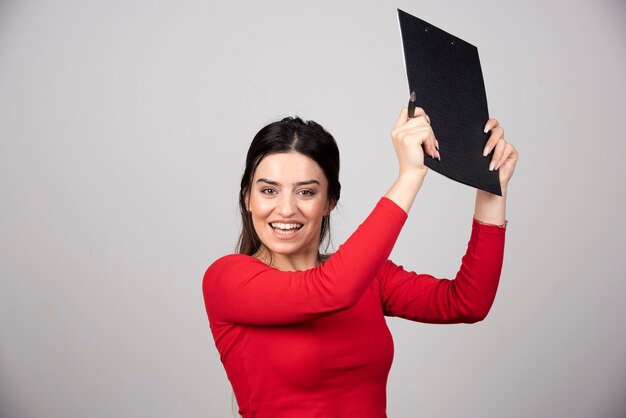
column 288, row 135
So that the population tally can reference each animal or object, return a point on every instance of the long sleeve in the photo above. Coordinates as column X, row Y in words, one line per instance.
column 467, row 298
column 239, row 289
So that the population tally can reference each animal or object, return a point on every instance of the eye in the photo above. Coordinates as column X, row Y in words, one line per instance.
column 268, row 190
column 306, row 192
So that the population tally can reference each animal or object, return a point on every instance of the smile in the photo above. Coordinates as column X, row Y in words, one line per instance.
column 285, row 228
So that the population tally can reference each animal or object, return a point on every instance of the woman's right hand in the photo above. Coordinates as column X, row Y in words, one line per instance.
column 411, row 138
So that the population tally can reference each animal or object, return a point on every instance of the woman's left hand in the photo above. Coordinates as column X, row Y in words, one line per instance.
column 504, row 156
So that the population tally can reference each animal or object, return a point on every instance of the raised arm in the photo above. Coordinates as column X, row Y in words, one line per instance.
column 467, row 298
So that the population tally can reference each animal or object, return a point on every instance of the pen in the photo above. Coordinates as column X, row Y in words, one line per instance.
column 411, row 110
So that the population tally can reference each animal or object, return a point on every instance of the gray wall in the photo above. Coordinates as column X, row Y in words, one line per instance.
column 123, row 129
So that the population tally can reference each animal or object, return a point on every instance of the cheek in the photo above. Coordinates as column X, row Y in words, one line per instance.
column 315, row 211
column 260, row 207
column 261, row 211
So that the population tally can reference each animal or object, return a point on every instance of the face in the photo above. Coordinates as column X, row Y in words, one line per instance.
column 287, row 201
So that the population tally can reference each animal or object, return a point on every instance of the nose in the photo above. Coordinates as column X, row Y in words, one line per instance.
column 286, row 206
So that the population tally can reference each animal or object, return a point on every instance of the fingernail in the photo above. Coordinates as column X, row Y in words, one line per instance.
column 499, row 164
column 486, row 129
column 491, row 166
column 437, row 144
column 486, row 152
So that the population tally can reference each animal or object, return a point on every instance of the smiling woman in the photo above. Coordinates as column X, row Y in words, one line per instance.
column 301, row 335
column 288, row 203
column 291, row 165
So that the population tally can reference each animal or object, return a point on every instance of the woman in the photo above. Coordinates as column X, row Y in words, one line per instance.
column 304, row 335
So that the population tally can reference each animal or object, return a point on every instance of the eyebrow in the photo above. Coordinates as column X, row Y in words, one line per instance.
column 300, row 183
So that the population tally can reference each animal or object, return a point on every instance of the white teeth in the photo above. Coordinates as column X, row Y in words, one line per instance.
column 279, row 225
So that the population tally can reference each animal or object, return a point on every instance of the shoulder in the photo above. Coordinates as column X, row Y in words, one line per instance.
column 221, row 278
column 231, row 259
column 231, row 269
column 222, row 271
column 228, row 263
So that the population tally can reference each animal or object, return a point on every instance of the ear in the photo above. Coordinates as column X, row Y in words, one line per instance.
column 247, row 200
column 330, row 205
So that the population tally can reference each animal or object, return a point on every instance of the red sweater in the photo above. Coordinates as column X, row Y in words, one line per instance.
column 315, row 343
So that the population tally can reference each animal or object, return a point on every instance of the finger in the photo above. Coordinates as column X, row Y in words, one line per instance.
column 403, row 117
column 418, row 133
column 514, row 154
column 413, row 135
column 406, row 126
column 424, row 135
column 497, row 154
column 505, row 154
column 433, row 146
column 421, row 112
column 491, row 123
column 410, row 127
column 429, row 145
column 510, row 154
column 497, row 134
column 418, row 122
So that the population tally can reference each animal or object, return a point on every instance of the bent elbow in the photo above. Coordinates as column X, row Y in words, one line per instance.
column 478, row 314
column 474, row 319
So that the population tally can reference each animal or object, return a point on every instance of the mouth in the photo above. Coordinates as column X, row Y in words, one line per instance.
column 286, row 229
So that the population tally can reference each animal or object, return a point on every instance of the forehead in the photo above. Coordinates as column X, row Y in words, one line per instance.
column 289, row 167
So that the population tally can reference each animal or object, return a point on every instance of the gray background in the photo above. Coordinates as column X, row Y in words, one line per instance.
column 123, row 130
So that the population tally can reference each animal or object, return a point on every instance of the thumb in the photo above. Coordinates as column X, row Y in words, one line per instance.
column 403, row 117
